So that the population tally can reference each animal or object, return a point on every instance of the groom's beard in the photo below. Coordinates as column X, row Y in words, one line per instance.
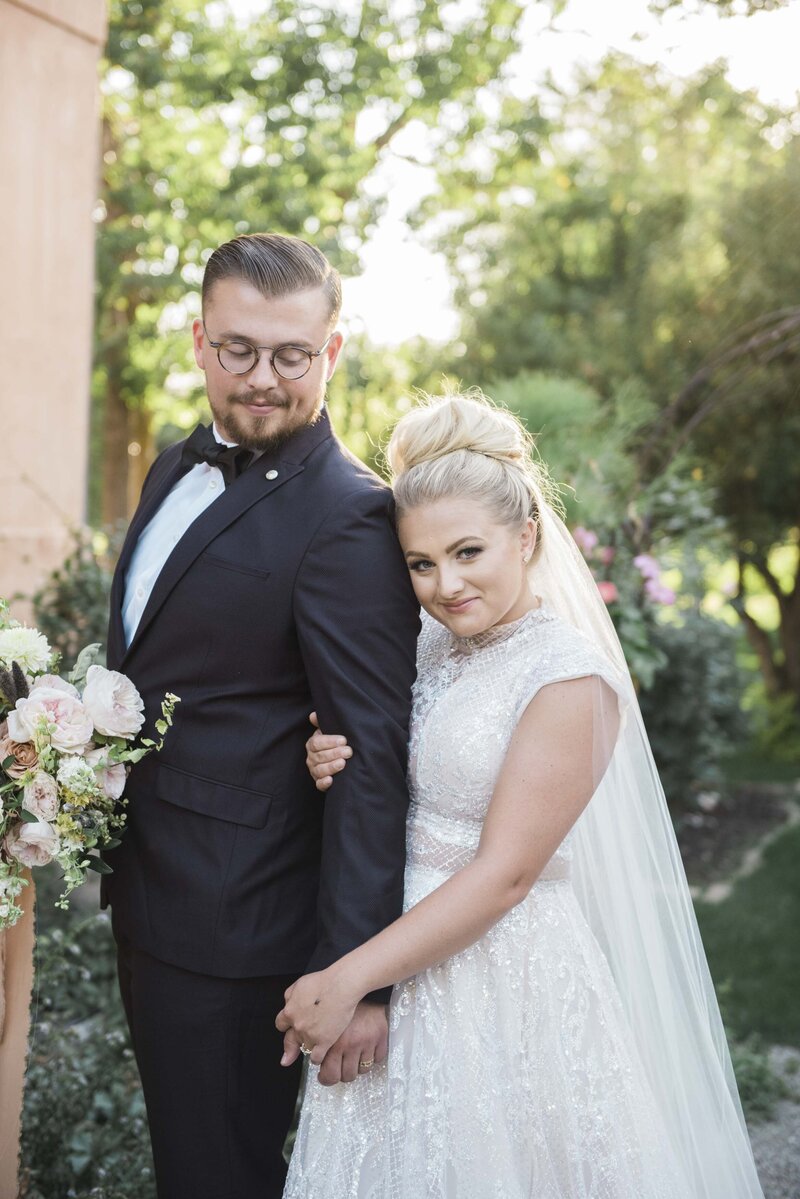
column 268, row 432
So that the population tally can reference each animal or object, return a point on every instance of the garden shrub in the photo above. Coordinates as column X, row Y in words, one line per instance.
column 692, row 711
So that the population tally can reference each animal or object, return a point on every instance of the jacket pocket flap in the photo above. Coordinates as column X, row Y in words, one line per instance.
column 221, row 801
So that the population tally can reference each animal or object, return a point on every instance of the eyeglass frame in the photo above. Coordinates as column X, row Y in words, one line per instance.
column 242, row 341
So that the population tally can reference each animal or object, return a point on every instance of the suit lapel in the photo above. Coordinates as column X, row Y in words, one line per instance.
column 247, row 490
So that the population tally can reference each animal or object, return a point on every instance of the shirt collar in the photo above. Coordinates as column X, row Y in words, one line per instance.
column 218, row 437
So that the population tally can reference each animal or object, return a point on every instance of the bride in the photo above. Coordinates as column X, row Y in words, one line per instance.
column 553, row 1028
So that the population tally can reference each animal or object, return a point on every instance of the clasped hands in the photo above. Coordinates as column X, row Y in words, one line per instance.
column 344, row 1036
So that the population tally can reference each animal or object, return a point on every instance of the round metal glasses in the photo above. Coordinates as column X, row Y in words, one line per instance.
column 288, row 361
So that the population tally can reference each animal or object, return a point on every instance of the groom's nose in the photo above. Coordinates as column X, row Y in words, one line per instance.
column 263, row 376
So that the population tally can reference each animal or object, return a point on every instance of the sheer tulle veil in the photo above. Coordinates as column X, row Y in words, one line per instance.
column 630, row 883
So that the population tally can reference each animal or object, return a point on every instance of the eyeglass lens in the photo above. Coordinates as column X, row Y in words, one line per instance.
column 288, row 361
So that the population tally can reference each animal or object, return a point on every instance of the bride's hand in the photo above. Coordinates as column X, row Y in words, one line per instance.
column 325, row 755
column 318, row 1009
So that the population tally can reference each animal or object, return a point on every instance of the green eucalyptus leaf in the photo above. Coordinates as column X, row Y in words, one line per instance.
column 99, row 866
column 91, row 655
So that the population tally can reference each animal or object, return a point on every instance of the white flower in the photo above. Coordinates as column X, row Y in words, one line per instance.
column 40, row 796
column 55, row 683
column 69, row 723
column 113, row 703
column 110, row 777
column 76, row 775
column 32, row 844
column 26, row 646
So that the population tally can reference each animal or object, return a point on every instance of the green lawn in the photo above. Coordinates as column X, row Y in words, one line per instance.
column 753, row 945
column 749, row 766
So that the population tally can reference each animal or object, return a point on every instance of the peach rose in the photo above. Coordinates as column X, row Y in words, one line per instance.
column 113, row 703
column 54, row 681
column 110, row 777
column 40, row 796
column 32, row 844
column 23, row 752
column 71, row 724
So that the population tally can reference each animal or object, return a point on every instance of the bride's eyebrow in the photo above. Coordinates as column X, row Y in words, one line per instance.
column 448, row 550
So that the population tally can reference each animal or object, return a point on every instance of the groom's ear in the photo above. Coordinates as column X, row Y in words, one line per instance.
column 332, row 352
column 198, row 342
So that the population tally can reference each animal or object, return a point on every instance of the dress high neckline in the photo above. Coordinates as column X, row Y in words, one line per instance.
column 497, row 633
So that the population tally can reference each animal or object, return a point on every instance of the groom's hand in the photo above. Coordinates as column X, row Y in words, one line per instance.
column 365, row 1039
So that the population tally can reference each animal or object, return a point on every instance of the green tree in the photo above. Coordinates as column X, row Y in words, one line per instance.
column 641, row 236
column 213, row 127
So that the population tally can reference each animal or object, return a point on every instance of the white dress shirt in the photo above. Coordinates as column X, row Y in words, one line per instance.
column 190, row 496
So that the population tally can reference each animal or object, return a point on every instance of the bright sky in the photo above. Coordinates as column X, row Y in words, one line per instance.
column 761, row 52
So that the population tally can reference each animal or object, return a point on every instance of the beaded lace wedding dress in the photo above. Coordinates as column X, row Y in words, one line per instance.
column 512, row 1072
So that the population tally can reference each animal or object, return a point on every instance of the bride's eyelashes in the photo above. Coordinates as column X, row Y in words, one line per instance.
column 467, row 553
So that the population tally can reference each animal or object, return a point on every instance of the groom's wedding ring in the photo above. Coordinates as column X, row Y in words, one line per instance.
column 304, row 1049
column 367, row 1065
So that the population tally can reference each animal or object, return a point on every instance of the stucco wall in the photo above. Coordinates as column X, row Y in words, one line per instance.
column 48, row 183
column 48, row 174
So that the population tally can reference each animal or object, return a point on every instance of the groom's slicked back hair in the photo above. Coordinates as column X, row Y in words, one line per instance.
column 276, row 265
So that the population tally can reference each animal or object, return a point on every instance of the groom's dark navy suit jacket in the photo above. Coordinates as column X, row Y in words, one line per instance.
column 289, row 593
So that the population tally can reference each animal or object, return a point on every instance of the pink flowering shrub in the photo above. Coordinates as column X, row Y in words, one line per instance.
column 631, row 586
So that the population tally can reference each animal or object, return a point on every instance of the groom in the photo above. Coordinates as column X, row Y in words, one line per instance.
column 260, row 579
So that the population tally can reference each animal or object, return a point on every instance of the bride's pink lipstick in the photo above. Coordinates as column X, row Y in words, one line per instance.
column 461, row 606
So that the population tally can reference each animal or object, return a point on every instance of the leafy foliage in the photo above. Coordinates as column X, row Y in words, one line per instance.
column 214, row 127
column 84, row 1122
column 692, row 710
column 71, row 608
column 633, row 233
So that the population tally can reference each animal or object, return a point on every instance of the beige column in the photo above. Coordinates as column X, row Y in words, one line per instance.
column 49, row 51
column 49, row 174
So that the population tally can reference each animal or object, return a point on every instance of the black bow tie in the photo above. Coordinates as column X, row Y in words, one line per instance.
column 203, row 446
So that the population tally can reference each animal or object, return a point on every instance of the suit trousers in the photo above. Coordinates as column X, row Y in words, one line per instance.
column 219, row 1104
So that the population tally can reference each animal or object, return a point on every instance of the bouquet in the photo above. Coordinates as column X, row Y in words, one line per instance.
column 66, row 746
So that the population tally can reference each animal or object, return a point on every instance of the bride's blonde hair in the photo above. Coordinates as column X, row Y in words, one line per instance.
column 462, row 444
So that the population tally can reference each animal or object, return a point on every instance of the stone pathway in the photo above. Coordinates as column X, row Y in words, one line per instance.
column 776, row 1144
column 719, row 891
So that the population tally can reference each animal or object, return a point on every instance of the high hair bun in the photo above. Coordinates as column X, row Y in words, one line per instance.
column 445, row 425
column 463, row 445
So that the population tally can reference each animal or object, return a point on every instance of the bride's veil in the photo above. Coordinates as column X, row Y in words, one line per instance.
column 630, row 883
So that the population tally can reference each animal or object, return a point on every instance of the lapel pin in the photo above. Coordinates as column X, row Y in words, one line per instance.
column 271, row 474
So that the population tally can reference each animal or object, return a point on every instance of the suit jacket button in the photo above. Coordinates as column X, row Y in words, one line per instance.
column 271, row 474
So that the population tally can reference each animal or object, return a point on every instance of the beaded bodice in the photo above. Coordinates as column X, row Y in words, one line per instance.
column 469, row 696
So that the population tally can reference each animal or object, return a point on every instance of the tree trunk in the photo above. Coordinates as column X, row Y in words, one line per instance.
column 789, row 634
column 114, row 502
column 140, row 455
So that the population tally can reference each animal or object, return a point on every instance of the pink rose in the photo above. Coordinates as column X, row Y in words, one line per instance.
column 607, row 555
column 32, row 844
column 647, row 566
column 585, row 539
column 608, row 592
column 658, row 593
column 40, row 796
column 55, row 683
column 110, row 778
column 24, row 754
column 113, row 703
column 70, row 723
